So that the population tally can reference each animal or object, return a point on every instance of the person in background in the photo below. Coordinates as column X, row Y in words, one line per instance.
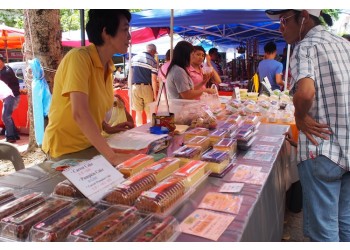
column 215, row 60
column 144, row 82
column 164, row 68
column 10, row 103
column 200, row 74
column 83, row 90
column 271, row 68
column 178, row 81
column 118, row 119
column 320, row 69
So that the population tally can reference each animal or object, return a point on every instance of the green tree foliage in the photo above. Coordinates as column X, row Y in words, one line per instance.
column 12, row 18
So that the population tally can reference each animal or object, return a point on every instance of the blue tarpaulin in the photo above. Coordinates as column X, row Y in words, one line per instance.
column 41, row 98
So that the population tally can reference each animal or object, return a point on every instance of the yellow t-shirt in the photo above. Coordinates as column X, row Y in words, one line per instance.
column 81, row 70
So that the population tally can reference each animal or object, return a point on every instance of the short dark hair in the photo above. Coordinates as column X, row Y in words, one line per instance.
column 270, row 47
column 213, row 50
column 167, row 55
column 195, row 48
column 182, row 55
column 99, row 19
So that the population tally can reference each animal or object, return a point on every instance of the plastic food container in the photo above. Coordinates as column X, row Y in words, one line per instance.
column 164, row 167
column 202, row 141
column 193, row 172
column 66, row 188
column 20, row 203
column 108, row 226
column 161, row 197
column 127, row 192
column 58, row 226
column 155, row 229
column 135, row 164
column 6, row 194
column 187, row 153
column 17, row 226
column 227, row 145
column 217, row 160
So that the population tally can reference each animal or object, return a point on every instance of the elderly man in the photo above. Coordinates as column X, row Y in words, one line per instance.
column 10, row 102
column 320, row 69
column 144, row 82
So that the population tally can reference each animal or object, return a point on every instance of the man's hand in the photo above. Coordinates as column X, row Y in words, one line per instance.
column 312, row 128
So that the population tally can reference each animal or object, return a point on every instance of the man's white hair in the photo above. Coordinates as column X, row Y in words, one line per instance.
column 151, row 47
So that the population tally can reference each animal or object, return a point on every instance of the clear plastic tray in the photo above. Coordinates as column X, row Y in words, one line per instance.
column 16, row 227
column 188, row 152
column 163, row 197
column 193, row 172
column 134, row 165
column 202, row 141
column 108, row 226
column 6, row 194
column 57, row 226
column 20, row 203
column 164, row 167
column 66, row 188
column 127, row 192
column 155, row 229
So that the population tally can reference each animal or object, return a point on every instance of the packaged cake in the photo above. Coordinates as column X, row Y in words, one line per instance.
column 164, row 167
column 58, row 226
column 161, row 197
column 217, row 135
column 6, row 194
column 192, row 172
column 202, row 141
column 231, row 128
column 127, row 192
column 107, row 226
column 155, row 229
column 227, row 145
column 20, row 203
column 217, row 160
column 234, row 119
column 66, row 188
column 135, row 164
column 194, row 132
column 186, row 153
column 17, row 226
column 251, row 119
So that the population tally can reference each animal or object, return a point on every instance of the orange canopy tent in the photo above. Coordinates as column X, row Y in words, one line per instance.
column 10, row 38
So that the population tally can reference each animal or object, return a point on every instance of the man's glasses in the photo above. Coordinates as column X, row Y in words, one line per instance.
column 283, row 20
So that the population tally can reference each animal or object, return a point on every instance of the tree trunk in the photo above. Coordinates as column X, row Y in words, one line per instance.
column 43, row 41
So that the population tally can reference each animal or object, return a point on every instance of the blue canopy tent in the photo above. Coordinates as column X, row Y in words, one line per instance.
column 221, row 26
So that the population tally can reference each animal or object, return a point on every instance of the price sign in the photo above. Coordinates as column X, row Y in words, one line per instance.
column 94, row 178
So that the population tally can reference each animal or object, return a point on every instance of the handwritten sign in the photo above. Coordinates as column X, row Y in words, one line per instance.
column 94, row 178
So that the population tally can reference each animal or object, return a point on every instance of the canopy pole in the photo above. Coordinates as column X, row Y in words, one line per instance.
column 171, row 33
column 287, row 68
column 82, row 27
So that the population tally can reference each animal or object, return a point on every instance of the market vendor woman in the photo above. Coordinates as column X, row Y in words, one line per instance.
column 83, row 90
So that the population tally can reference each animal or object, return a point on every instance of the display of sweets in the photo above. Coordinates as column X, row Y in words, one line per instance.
column 127, row 192
column 251, row 119
column 217, row 160
column 17, row 226
column 217, row 135
column 6, row 194
column 66, row 188
column 164, row 167
column 192, row 171
column 161, row 197
column 194, row 132
column 156, row 229
column 20, row 203
column 227, row 145
column 234, row 119
column 134, row 165
column 107, row 226
column 186, row 153
column 202, row 141
column 57, row 226
column 231, row 128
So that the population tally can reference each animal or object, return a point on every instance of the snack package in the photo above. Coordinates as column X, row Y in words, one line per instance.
column 134, row 165
column 161, row 197
column 217, row 160
column 127, row 192
column 227, row 145
column 108, row 226
column 17, row 226
column 202, row 141
column 58, row 226
column 187, row 153
column 192, row 171
column 66, row 188
column 164, row 167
